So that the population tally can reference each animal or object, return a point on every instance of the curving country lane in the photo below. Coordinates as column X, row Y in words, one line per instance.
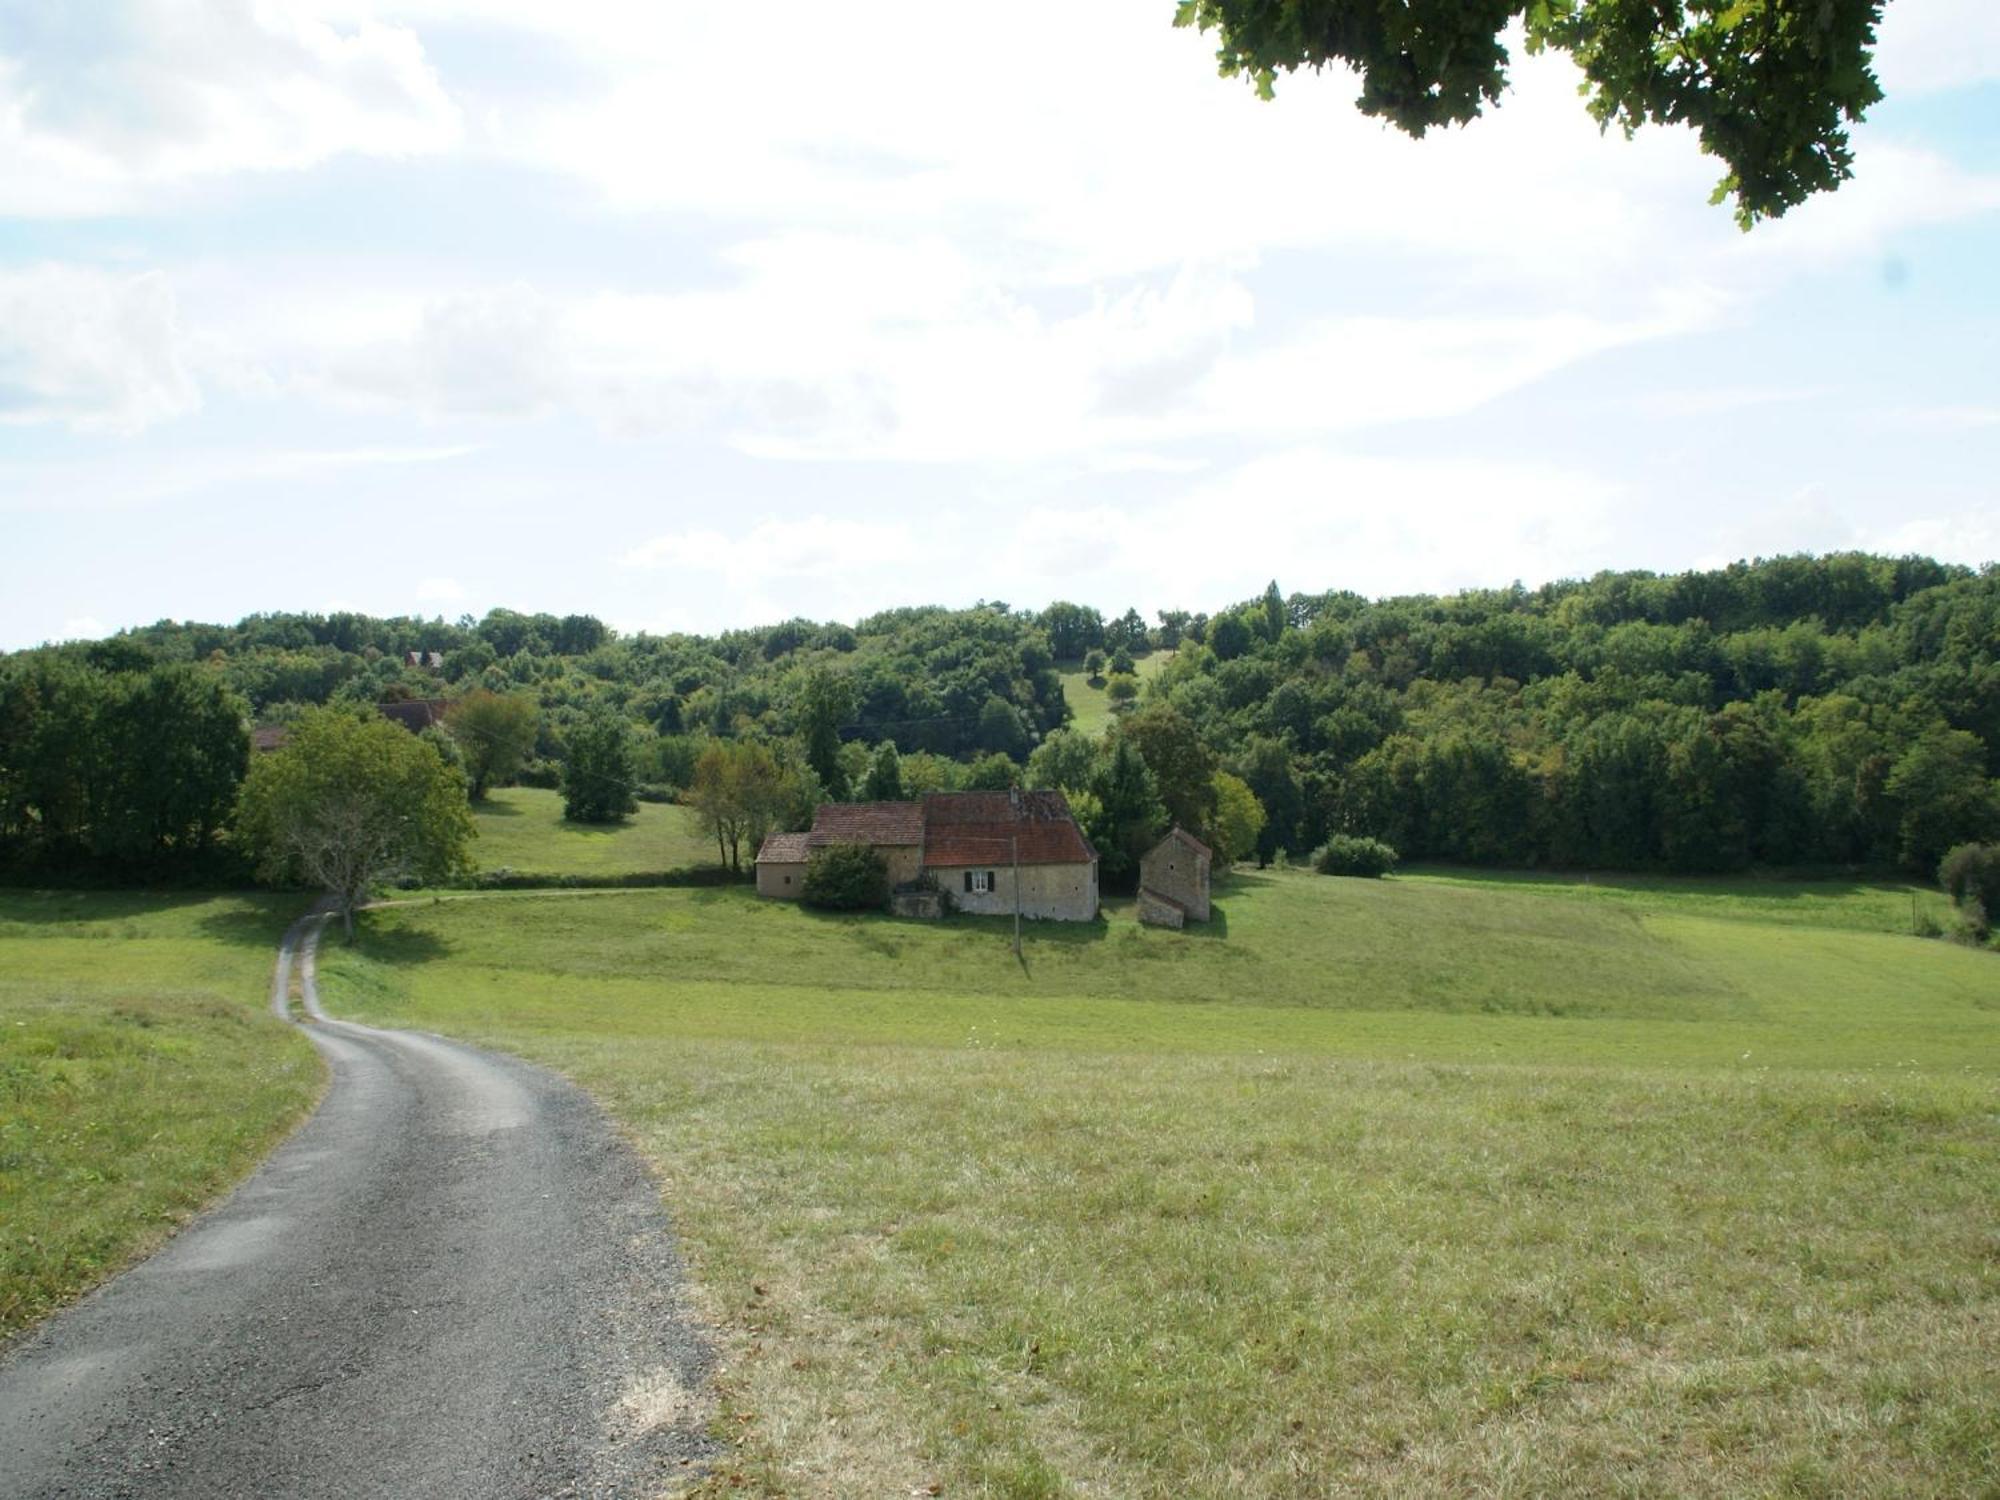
column 452, row 1280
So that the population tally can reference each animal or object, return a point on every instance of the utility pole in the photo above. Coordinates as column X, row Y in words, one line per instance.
column 1014, row 805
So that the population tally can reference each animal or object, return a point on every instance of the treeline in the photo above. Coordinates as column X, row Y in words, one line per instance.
column 1791, row 711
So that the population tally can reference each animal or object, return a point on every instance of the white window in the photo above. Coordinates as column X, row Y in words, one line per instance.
column 982, row 882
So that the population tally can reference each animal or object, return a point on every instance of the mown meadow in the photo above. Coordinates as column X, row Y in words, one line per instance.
column 522, row 828
column 1437, row 1185
column 140, row 1075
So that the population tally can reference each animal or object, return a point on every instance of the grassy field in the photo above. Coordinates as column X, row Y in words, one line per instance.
column 1439, row 1185
column 523, row 828
column 139, row 1076
column 1090, row 706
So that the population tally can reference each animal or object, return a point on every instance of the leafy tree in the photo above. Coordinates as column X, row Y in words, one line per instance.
column 1122, row 689
column 1066, row 761
column 1274, row 611
column 846, row 877
column 1266, row 768
column 885, row 776
column 992, row 773
column 1769, row 86
column 1940, row 785
column 1093, row 665
column 1173, row 625
column 1228, row 637
column 1344, row 854
column 1183, row 767
column 1238, row 820
column 128, row 769
column 495, row 734
column 1126, row 633
column 825, row 701
column 1072, row 629
column 350, row 801
column 599, row 774
column 741, row 792
column 1121, row 662
column 1130, row 817
column 1000, row 728
column 1970, row 875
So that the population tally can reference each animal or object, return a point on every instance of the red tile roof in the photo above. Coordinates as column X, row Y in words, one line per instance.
column 784, row 849
column 879, row 823
column 980, row 828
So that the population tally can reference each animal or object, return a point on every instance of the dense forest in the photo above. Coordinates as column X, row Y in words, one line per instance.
column 1840, row 710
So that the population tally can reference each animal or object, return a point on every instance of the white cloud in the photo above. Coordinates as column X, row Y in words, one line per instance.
column 98, row 103
column 82, row 628
column 92, row 350
column 440, row 590
column 1938, row 44
column 815, row 546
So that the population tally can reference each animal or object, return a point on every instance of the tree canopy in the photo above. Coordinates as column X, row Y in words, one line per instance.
column 1769, row 86
column 350, row 801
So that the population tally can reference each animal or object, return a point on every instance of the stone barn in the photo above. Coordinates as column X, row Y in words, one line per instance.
column 968, row 843
column 1173, row 880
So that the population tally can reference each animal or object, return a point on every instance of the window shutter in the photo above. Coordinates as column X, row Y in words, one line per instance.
column 968, row 882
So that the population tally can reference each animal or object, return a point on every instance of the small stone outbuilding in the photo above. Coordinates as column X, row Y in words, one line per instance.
column 1174, row 875
column 781, row 865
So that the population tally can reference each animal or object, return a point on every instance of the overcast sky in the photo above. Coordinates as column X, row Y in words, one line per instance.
column 701, row 315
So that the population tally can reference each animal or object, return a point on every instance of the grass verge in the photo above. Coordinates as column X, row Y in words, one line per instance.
column 139, row 1076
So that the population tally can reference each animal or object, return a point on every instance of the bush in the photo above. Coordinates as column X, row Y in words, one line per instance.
column 1970, row 875
column 846, row 877
column 1344, row 855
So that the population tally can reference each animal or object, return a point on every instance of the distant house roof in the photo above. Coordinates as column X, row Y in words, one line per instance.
column 1178, row 832
column 784, row 849
column 980, row 828
column 415, row 714
column 877, row 823
column 267, row 737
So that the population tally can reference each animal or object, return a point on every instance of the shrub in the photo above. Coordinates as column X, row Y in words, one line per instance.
column 1970, row 875
column 1346, row 855
column 846, row 877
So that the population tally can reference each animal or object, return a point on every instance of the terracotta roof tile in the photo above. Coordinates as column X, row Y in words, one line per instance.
column 784, row 849
column 979, row 828
column 879, row 823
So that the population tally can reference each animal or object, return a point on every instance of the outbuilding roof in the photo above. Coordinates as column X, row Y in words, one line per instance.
column 784, row 849
column 1178, row 832
column 980, row 828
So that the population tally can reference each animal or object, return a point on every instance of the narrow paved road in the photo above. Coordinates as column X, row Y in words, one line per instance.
column 453, row 1280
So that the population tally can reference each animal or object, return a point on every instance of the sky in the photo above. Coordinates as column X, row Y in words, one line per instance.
column 696, row 316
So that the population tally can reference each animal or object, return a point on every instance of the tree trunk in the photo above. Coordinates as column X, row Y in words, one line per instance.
column 347, row 920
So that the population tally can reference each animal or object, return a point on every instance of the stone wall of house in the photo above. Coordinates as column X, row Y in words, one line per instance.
column 1156, row 911
column 1061, row 893
column 905, row 862
column 781, row 882
column 1173, row 869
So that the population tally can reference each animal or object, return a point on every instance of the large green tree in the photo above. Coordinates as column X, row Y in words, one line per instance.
column 823, row 702
column 1770, row 86
column 600, row 773
column 350, row 801
column 495, row 734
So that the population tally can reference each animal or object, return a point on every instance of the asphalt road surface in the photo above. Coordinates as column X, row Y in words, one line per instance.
column 453, row 1280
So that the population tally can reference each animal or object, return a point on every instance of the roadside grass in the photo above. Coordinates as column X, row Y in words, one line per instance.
column 140, row 1076
column 523, row 828
column 1090, row 706
column 1407, row 1187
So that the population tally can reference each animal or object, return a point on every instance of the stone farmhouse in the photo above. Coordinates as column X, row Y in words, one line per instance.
column 970, row 843
column 1173, row 881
